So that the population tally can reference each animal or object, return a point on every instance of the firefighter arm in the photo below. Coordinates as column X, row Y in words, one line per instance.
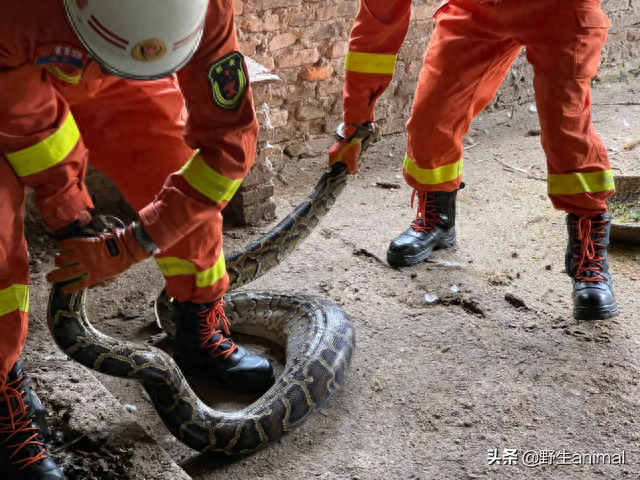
column 377, row 35
column 221, row 127
column 41, row 142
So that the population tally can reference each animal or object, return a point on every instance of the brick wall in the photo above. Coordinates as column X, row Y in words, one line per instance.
column 304, row 42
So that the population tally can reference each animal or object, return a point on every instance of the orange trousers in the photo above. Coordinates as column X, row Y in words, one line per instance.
column 134, row 133
column 471, row 50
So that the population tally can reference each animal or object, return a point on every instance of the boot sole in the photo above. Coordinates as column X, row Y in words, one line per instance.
column 591, row 313
column 399, row 260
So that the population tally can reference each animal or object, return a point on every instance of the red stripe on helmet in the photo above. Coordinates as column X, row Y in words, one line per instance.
column 184, row 41
column 95, row 28
column 109, row 32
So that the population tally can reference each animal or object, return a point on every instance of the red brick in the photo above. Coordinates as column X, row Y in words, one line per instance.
column 297, row 58
column 288, row 133
column 309, row 111
column 326, row 13
column 301, row 92
column 248, row 48
column 261, row 94
column 251, row 6
column 269, row 23
column 324, row 31
column 266, row 60
column 336, row 50
column 281, row 41
column 329, row 87
column 300, row 19
column 278, row 117
column 317, row 73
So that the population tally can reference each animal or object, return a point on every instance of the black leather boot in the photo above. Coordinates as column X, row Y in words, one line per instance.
column 587, row 263
column 23, row 454
column 434, row 228
column 199, row 344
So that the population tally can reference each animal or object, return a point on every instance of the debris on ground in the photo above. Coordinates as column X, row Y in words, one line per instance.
column 514, row 300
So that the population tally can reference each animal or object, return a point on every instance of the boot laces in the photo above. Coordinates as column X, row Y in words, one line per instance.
column 210, row 327
column 588, row 256
column 426, row 212
column 19, row 422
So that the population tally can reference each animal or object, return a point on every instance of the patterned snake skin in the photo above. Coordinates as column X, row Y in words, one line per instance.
column 318, row 337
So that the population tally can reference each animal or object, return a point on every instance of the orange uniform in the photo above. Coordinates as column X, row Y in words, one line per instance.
column 58, row 109
column 470, row 52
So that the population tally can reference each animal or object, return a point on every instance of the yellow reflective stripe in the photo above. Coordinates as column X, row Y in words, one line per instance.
column 425, row 176
column 73, row 79
column 213, row 274
column 170, row 266
column 209, row 182
column 370, row 63
column 49, row 152
column 574, row 183
column 16, row 297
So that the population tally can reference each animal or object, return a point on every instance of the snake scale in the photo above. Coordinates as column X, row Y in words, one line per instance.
column 318, row 336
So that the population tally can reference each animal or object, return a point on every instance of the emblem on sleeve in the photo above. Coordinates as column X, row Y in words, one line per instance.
column 228, row 80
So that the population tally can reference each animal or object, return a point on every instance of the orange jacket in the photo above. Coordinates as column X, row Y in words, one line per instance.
column 40, row 55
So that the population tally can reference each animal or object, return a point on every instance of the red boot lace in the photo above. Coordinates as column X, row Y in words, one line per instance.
column 213, row 317
column 426, row 212
column 588, row 258
column 18, row 422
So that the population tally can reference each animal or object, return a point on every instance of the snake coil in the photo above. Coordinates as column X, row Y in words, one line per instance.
column 318, row 336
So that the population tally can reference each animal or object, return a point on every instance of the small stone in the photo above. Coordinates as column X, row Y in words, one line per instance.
column 533, row 108
column 430, row 298
column 300, row 151
column 130, row 408
column 455, row 288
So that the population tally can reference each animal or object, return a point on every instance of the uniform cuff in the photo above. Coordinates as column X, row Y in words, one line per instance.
column 66, row 208
column 163, row 234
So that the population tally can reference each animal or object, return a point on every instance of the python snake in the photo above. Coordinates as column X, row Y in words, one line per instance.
column 318, row 336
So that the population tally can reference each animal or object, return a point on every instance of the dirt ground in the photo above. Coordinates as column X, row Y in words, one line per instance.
column 495, row 362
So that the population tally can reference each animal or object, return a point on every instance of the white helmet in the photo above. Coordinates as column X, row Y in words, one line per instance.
column 139, row 39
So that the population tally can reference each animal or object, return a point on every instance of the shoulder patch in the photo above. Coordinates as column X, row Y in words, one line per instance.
column 66, row 62
column 60, row 55
column 229, row 81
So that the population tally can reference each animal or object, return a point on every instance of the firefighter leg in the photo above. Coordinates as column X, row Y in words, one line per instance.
column 465, row 63
column 579, row 173
column 14, row 270
column 134, row 136
column 22, row 450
